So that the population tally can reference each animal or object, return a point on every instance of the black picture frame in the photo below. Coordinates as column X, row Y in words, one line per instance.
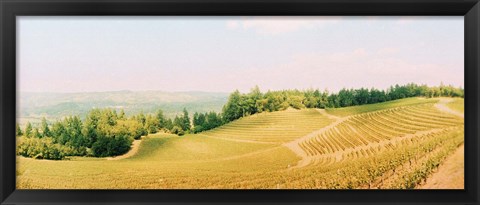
column 9, row 9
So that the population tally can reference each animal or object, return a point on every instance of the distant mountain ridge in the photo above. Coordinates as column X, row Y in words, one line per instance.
column 34, row 105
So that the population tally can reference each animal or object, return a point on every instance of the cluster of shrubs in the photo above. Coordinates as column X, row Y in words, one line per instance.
column 103, row 133
column 45, row 148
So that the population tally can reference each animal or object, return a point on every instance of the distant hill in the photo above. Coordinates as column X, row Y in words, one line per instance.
column 32, row 106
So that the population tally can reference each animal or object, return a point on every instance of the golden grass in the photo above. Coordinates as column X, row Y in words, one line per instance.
column 457, row 104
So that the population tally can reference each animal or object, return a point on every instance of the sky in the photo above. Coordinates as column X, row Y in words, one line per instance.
column 221, row 54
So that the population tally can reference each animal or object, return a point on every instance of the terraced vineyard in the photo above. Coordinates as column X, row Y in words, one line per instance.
column 368, row 132
column 398, row 144
column 276, row 127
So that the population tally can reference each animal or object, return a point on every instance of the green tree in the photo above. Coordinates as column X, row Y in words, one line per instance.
column 168, row 124
column 45, row 129
column 18, row 130
column 142, row 119
column 36, row 133
column 296, row 101
column 362, row 96
column 161, row 119
column 151, row 124
column 198, row 119
column 28, row 130
column 311, row 98
column 111, row 145
column 323, row 98
column 186, row 120
column 213, row 120
column 254, row 96
column 74, row 130
column 232, row 109
column 178, row 121
column 199, row 122
column 108, row 117
column 59, row 133
column 130, row 128
column 91, row 126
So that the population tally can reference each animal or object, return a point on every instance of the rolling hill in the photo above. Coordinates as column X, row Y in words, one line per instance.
column 398, row 144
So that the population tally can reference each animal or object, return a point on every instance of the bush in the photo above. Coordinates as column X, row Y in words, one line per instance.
column 177, row 130
column 42, row 148
column 198, row 128
column 111, row 145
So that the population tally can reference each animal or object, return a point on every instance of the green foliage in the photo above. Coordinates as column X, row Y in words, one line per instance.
column 168, row 124
column 296, row 101
column 90, row 129
column 111, row 145
column 42, row 148
column 18, row 131
column 178, row 122
column 122, row 116
column 100, row 128
column 36, row 133
column 142, row 119
column 233, row 110
column 28, row 130
column 198, row 128
column 183, row 121
column 177, row 130
column 206, row 121
column 45, row 130
column 198, row 119
column 130, row 128
column 186, row 120
column 152, row 124
column 161, row 119
column 74, row 131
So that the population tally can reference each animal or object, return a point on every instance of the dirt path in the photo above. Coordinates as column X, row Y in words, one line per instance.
column 295, row 145
column 442, row 106
column 450, row 174
column 133, row 150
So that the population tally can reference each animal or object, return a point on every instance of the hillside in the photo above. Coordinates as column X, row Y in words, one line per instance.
column 397, row 144
column 275, row 127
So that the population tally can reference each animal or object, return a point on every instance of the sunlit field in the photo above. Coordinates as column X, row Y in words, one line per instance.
column 398, row 144
column 457, row 104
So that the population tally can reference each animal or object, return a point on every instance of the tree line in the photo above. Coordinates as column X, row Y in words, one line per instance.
column 240, row 105
column 104, row 132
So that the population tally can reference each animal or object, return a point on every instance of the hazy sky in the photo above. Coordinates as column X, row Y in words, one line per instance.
column 77, row 54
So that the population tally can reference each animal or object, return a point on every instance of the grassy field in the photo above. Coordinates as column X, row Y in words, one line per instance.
column 457, row 104
column 397, row 144
column 275, row 128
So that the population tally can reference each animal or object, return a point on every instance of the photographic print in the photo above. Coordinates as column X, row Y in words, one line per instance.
column 237, row 102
